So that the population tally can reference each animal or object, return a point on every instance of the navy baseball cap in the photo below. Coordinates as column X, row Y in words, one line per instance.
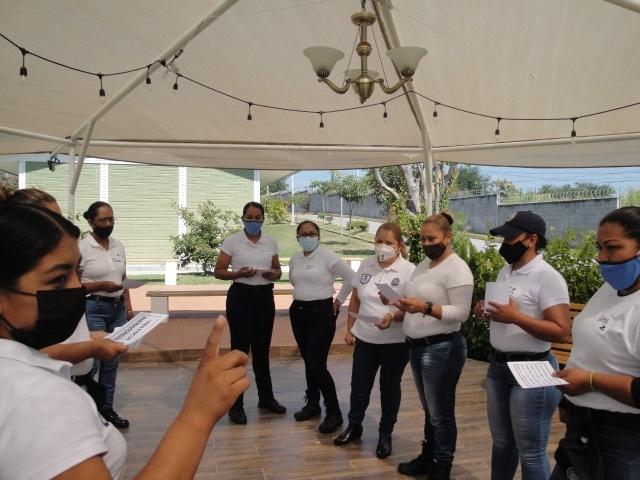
column 523, row 221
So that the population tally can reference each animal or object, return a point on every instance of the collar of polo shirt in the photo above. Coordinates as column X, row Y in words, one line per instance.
column 393, row 267
column 94, row 243
column 12, row 350
column 525, row 269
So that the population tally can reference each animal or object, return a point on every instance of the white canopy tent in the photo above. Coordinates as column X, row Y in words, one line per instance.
column 507, row 58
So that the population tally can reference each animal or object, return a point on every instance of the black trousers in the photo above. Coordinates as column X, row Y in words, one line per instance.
column 251, row 311
column 391, row 359
column 314, row 325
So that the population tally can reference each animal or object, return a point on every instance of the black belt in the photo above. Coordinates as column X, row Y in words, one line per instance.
column 312, row 303
column 432, row 340
column 268, row 286
column 504, row 357
column 619, row 419
column 102, row 298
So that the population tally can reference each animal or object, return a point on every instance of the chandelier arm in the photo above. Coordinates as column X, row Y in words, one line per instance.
column 334, row 87
column 395, row 88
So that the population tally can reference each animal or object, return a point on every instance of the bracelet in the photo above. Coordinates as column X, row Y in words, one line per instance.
column 593, row 389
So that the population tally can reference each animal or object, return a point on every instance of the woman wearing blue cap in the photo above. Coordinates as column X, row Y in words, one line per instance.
column 537, row 314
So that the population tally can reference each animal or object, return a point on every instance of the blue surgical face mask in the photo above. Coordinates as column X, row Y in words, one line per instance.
column 309, row 244
column 621, row 275
column 252, row 227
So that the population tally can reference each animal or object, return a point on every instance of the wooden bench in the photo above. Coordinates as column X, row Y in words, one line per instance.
column 562, row 350
column 160, row 298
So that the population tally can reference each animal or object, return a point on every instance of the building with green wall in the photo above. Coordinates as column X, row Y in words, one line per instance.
column 145, row 198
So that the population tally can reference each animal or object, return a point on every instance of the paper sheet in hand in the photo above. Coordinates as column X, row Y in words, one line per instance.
column 497, row 292
column 388, row 292
column 534, row 374
column 131, row 283
column 136, row 328
column 365, row 318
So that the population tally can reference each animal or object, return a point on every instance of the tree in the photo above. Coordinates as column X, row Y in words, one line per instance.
column 631, row 198
column 206, row 231
column 506, row 188
column 353, row 190
column 7, row 180
column 470, row 177
column 322, row 187
column 577, row 188
column 277, row 186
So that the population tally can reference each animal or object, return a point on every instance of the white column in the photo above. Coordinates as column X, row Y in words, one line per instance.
column 104, row 182
column 182, row 198
column 22, row 174
column 256, row 185
column 293, row 208
column 71, row 196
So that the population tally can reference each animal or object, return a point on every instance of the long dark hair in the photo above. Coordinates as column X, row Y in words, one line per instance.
column 92, row 211
column 628, row 218
column 27, row 234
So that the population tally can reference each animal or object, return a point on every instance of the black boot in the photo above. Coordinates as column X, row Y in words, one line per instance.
column 111, row 416
column 272, row 405
column 310, row 410
column 383, row 450
column 237, row 415
column 440, row 471
column 331, row 422
column 421, row 465
column 352, row 432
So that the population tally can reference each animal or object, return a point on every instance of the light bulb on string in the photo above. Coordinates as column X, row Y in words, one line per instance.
column 148, row 79
column 101, row 93
column 321, row 122
column 249, row 117
column 435, row 110
column 175, row 84
column 497, row 132
column 23, row 68
column 573, row 126
column 385, row 116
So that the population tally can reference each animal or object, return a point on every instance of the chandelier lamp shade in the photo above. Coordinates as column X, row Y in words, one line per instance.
column 363, row 80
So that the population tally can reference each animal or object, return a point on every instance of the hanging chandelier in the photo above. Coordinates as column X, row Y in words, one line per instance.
column 363, row 80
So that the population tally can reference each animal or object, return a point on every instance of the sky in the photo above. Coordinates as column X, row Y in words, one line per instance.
column 524, row 178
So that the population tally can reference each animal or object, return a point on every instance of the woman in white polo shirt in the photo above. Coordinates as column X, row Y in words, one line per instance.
column 102, row 272
column 313, row 315
column 602, row 400
column 537, row 314
column 438, row 301
column 379, row 341
column 253, row 257
column 50, row 427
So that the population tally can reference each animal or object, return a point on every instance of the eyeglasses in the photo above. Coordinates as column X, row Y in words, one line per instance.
column 105, row 221
column 308, row 234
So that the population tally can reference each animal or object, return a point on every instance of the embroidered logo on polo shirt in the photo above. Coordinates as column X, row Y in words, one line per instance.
column 395, row 282
column 364, row 279
column 602, row 322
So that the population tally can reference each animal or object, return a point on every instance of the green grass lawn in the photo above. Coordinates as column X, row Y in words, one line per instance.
column 285, row 235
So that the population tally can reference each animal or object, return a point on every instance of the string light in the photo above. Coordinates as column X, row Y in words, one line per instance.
column 101, row 93
column 23, row 68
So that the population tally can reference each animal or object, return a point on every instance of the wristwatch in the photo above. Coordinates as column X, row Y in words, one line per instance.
column 428, row 310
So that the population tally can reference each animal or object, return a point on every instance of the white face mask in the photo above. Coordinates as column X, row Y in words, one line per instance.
column 384, row 252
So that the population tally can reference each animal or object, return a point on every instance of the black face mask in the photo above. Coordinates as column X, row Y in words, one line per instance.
column 434, row 252
column 59, row 312
column 103, row 232
column 513, row 253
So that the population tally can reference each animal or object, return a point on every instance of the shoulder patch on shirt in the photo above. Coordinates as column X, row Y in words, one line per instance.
column 364, row 279
column 395, row 282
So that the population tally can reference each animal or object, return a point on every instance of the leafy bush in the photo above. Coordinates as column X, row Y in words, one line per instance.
column 275, row 210
column 206, row 231
column 359, row 225
column 301, row 201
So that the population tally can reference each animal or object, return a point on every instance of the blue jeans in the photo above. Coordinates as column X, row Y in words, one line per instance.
column 618, row 444
column 436, row 371
column 105, row 316
column 391, row 359
column 520, row 420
